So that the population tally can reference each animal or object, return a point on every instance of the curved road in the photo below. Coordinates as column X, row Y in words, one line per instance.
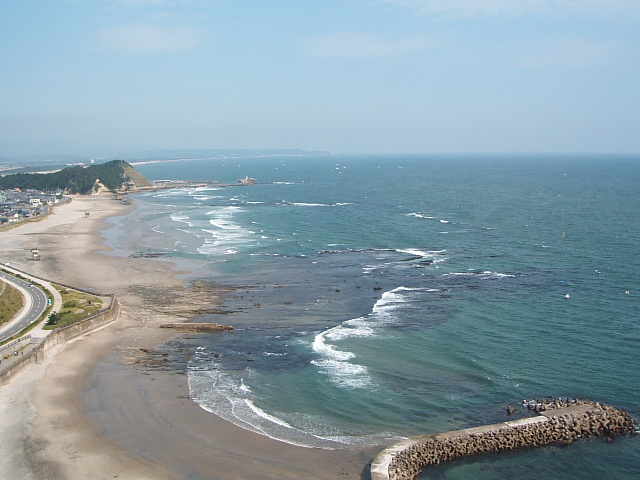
column 35, row 299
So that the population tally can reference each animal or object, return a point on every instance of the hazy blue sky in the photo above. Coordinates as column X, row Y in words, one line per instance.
column 98, row 77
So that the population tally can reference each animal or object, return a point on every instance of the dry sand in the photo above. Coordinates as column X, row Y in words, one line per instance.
column 96, row 410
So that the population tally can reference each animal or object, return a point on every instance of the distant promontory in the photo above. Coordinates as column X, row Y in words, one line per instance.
column 113, row 176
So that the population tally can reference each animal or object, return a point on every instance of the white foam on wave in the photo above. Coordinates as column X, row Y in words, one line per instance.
column 207, row 188
column 227, row 396
column 225, row 237
column 223, row 242
column 324, row 349
column 482, row 274
column 504, row 275
column 428, row 217
column 173, row 192
column 265, row 415
column 340, row 365
column 223, row 224
column 204, row 198
column 223, row 395
column 224, row 212
column 335, row 363
column 204, row 193
column 244, row 387
column 421, row 253
column 432, row 256
column 182, row 218
column 436, row 256
column 303, row 204
column 420, row 215
column 344, row 374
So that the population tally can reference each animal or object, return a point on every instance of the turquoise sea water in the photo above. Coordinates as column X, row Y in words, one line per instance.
column 382, row 297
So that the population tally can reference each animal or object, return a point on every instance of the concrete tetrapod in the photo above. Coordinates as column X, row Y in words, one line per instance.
column 560, row 424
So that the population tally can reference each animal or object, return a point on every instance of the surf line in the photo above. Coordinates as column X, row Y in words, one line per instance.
column 562, row 424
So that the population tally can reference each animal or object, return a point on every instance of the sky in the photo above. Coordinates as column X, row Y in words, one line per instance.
column 101, row 77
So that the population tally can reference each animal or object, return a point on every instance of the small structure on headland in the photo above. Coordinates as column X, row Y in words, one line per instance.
column 563, row 422
column 197, row 327
column 246, row 181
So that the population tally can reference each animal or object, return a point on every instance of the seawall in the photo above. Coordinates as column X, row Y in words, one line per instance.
column 36, row 351
column 562, row 425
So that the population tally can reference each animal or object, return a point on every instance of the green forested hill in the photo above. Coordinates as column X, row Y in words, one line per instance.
column 78, row 179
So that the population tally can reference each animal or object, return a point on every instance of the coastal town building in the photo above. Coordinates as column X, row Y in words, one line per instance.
column 246, row 181
column 17, row 205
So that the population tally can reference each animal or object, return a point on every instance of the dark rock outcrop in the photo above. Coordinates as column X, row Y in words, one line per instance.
column 197, row 327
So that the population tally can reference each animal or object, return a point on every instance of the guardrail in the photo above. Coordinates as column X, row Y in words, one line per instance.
column 61, row 335
column 84, row 290
column 16, row 342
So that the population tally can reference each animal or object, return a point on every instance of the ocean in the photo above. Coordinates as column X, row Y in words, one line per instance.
column 379, row 297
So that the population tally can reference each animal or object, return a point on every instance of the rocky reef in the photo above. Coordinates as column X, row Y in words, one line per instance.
column 197, row 327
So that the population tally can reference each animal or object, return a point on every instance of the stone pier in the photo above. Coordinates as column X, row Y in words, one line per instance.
column 561, row 424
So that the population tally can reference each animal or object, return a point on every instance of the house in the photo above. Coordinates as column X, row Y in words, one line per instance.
column 246, row 181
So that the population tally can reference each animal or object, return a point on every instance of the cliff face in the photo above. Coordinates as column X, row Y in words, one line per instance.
column 99, row 188
column 133, row 179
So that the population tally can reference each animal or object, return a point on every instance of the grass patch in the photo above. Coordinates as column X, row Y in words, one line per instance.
column 11, row 301
column 75, row 306
column 9, row 225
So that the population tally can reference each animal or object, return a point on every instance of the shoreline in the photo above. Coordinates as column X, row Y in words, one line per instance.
column 91, row 412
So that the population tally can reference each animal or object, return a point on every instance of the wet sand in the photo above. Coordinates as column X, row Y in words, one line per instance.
column 96, row 409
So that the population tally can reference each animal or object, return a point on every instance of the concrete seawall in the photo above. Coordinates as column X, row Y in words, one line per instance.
column 405, row 460
column 36, row 351
column 85, row 326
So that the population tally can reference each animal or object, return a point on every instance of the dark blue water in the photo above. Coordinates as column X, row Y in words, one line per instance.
column 390, row 296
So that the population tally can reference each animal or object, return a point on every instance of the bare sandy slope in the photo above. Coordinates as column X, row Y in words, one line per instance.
column 96, row 410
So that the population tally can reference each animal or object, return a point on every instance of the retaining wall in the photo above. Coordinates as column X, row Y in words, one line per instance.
column 17, row 343
column 82, row 327
column 33, row 356
column 35, row 353
column 406, row 460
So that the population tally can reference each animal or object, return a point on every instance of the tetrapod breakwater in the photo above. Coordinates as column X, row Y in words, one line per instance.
column 555, row 422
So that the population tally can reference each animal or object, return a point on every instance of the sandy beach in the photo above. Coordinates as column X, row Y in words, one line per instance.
column 96, row 409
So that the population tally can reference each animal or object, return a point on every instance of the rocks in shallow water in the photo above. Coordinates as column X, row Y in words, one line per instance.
column 197, row 327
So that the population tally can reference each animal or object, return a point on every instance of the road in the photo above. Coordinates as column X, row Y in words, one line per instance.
column 36, row 300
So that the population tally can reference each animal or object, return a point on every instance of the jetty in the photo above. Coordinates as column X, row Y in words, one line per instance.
column 562, row 423
column 197, row 327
